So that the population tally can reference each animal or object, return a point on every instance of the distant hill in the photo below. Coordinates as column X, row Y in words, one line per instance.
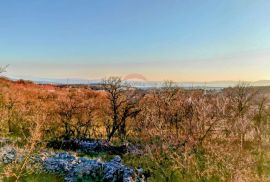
column 144, row 84
column 262, row 83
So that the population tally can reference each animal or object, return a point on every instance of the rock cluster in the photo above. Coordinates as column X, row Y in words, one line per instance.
column 75, row 169
column 7, row 155
column 88, row 146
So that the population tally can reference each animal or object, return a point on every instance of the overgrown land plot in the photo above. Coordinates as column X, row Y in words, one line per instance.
column 114, row 132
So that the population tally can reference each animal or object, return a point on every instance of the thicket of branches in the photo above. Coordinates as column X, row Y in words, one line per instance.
column 185, row 134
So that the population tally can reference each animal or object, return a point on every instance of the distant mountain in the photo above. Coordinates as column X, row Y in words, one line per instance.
column 144, row 84
column 55, row 81
column 262, row 83
column 66, row 81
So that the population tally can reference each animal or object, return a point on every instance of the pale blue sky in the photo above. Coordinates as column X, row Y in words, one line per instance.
column 194, row 40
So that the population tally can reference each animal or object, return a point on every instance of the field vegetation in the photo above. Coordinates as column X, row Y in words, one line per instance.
column 179, row 135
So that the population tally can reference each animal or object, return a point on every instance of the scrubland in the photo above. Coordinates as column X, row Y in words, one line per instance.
column 177, row 134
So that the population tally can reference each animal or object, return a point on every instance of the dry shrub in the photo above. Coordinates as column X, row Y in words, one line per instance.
column 188, row 135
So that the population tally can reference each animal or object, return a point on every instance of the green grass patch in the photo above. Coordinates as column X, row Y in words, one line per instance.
column 36, row 178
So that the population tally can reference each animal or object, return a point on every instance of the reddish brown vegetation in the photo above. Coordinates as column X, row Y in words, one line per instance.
column 205, row 134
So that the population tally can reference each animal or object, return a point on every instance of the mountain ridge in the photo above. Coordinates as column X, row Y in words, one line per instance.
column 218, row 83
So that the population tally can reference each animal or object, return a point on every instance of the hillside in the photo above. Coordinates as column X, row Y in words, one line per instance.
column 146, row 133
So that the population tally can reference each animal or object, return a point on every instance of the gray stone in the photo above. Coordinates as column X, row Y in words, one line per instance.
column 113, row 170
column 60, row 163
column 82, row 168
column 8, row 155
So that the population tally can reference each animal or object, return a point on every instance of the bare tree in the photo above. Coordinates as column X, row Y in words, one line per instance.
column 123, row 105
column 261, row 118
column 67, row 110
column 241, row 98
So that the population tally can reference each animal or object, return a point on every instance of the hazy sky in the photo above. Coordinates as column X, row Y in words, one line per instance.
column 181, row 40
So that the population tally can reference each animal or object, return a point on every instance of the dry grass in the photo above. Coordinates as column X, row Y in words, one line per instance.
column 185, row 135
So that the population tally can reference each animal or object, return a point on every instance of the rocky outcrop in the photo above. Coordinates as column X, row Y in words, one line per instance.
column 76, row 169
column 95, row 146
column 88, row 146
